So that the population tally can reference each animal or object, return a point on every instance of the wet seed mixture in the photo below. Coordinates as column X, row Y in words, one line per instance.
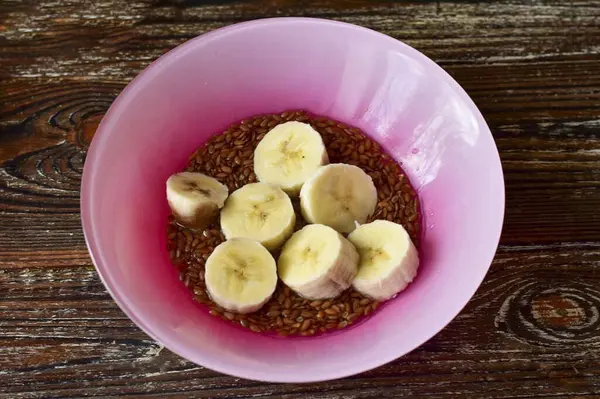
column 228, row 157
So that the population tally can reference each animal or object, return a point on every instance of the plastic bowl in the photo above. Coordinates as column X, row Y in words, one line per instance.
column 396, row 94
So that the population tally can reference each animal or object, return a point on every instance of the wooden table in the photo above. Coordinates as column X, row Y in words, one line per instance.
column 533, row 68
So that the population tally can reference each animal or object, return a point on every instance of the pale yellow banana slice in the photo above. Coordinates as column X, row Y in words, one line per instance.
column 317, row 262
column 195, row 199
column 260, row 211
column 338, row 195
column 388, row 259
column 240, row 275
column 288, row 155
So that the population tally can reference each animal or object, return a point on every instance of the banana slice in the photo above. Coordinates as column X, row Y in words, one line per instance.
column 288, row 155
column 195, row 199
column 338, row 195
column 260, row 211
column 240, row 275
column 317, row 262
column 388, row 259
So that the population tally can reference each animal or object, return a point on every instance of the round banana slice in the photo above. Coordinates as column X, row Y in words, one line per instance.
column 338, row 195
column 388, row 259
column 260, row 211
column 288, row 155
column 240, row 275
column 317, row 262
column 195, row 199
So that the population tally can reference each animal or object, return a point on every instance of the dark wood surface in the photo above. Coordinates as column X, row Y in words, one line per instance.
column 532, row 329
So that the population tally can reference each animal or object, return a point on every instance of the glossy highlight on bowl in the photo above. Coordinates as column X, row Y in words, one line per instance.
column 365, row 79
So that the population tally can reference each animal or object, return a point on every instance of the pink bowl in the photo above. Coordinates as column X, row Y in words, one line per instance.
column 393, row 92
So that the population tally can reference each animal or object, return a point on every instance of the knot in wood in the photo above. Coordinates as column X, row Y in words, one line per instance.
column 540, row 313
column 84, row 131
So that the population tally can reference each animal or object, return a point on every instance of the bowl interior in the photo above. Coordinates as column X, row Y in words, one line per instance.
column 397, row 95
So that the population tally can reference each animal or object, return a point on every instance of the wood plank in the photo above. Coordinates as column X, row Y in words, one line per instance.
column 532, row 312
column 114, row 42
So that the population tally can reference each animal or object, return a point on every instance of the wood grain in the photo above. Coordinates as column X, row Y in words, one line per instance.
column 532, row 329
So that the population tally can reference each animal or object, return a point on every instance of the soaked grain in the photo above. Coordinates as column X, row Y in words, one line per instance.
column 229, row 158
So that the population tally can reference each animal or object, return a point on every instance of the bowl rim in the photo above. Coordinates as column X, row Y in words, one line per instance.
column 87, row 200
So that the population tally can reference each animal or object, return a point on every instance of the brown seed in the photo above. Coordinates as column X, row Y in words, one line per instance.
column 331, row 311
column 353, row 317
column 326, row 305
column 359, row 310
column 239, row 317
column 229, row 315
column 299, row 299
column 316, row 304
column 253, row 319
column 244, row 323
column 274, row 306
